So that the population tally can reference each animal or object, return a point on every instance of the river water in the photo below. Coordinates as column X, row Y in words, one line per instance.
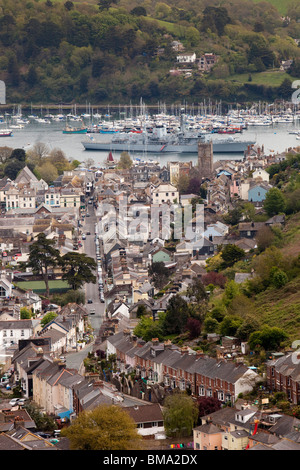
column 275, row 138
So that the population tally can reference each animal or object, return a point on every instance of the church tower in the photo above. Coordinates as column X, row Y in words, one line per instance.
column 205, row 159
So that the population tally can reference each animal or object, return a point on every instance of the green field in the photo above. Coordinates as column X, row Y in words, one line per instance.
column 281, row 5
column 270, row 78
column 39, row 286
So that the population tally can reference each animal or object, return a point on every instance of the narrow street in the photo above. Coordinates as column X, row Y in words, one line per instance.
column 74, row 360
column 91, row 290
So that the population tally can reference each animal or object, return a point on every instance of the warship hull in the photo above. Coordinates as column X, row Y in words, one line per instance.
column 223, row 146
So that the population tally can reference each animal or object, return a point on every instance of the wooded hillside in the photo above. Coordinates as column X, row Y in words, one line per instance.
column 119, row 52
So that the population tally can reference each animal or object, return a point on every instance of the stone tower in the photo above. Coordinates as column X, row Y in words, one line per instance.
column 205, row 159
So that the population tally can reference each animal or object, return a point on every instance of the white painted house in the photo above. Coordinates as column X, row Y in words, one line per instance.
column 186, row 57
column 261, row 174
column 11, row 331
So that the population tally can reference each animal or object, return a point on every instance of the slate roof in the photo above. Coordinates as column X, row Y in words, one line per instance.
column 145, row 413
column 9, row 443
column 208, row 428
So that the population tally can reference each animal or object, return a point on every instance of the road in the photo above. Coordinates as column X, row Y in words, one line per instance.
column 74, row 360
column 91, row 290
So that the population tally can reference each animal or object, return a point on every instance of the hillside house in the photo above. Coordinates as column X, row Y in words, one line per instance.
column 186, row 58
column 207, row 61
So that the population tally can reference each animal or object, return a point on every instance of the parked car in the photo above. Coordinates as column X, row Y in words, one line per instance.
column 90, row 301
column 14, row 401
column 44, row 435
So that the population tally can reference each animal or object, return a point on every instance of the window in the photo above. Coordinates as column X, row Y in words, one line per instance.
column 2, row 292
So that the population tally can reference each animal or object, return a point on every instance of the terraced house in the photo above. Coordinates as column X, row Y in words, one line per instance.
column 283, row 376
column 182, row 368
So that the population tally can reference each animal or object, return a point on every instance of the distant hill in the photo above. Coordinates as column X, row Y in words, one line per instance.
column 102, row 52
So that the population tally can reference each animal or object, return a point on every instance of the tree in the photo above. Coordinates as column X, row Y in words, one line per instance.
column 18, row 154
column 47, row 172
column 125, row 161
column 147, row 328
column 69, row 5
column 176, row 315
column 12, row 168
column 25, row 313
column 43, row 421
column 233, row 216
column 278, row 278
column 197, row 291
column 77, row 269
column 48, row 318
column 274, row 202
column 217, row 279
column 268, row 338
column 193, row 326
column 215, row 18
column 230, row 325
column 231, row 254
column 58, row 158
column 265, row 263
column 159, row 274
column 32, row 76
column 180, row 415
column 43, row 256
column 107, row 427
column 138, row 11
column 265, row 238
column 5, row 153
column 207, row 405
column 106, row 4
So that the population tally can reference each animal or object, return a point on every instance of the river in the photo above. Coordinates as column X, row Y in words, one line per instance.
column 275, row 138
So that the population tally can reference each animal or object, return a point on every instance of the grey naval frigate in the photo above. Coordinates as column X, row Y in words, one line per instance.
column 160, row 141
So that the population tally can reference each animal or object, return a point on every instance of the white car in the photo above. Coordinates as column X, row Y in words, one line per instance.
column 14, row 401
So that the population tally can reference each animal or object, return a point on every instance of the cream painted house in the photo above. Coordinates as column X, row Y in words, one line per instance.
column 70, row 197
column 52, row 388
column 16, row 198
column 207, row 437
column 164, row 193
column 261, row 174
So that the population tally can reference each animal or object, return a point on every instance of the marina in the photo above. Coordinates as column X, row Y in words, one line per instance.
column 276, row 133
